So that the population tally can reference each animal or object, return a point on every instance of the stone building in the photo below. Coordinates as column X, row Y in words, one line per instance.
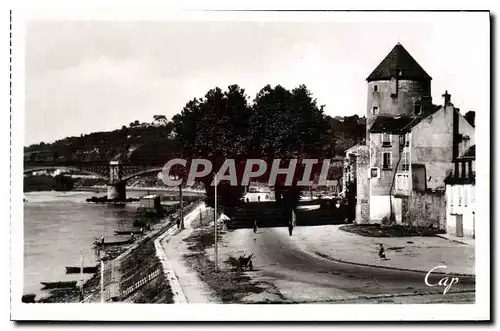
column 461, row 196
column 411, row 145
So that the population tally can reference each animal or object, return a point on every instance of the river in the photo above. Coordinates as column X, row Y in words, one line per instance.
column 60, row 227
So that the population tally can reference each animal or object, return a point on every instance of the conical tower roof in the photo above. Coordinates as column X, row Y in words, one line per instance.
column 399, row 63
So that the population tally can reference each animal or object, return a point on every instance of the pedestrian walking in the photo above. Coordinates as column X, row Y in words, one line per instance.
column 255, row 226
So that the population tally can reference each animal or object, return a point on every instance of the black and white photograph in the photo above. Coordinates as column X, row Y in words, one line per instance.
column 261, row 164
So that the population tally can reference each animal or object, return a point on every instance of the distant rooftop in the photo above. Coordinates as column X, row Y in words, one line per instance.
column 470, row 153
column 399, row 63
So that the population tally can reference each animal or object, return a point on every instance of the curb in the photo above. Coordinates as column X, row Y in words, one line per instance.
column 172, row 278
column 453, row 240
column 324, row 256
column 395, row 295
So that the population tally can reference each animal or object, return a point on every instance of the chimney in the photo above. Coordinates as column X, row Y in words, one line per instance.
column 455, row 133
column 447, row 98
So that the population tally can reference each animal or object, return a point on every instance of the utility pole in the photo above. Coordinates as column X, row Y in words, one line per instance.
column 102, row 281
column 215, row 226
column 181, row 213
column 81, row 274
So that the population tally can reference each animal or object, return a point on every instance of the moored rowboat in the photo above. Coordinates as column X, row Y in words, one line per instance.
column 112, row 243
column 77, row 270
column 68, row 284
column 28, row 298
column 127, row 232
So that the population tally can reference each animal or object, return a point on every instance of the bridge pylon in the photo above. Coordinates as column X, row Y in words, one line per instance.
column 116, row 186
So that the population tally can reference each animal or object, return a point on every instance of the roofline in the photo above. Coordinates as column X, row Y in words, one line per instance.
column 388, row 78
column 398, row 131
column 417, row 120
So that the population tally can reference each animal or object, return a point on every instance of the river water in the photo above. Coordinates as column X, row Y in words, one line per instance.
column 60, row 227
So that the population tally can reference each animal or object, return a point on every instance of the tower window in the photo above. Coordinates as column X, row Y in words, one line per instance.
column 387, row 160
column 375, row 88
column 417, row 109
column 374, row 110
column 406, row 161
column 407, row 139
column 394, row 88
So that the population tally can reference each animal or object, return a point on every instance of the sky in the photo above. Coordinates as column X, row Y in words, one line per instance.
column 84, row 76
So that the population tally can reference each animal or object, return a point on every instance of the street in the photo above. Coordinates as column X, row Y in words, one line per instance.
column 305, row 277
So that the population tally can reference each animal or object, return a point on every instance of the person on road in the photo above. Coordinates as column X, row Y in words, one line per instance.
column 132, row 237
column 381, row 253
column 255, row 226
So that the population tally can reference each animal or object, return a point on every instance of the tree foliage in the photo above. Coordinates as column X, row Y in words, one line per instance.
column 279, row 123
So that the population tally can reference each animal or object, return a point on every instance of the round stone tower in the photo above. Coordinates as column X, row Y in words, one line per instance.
column 397, row 87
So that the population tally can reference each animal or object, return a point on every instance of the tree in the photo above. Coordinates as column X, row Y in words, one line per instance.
column 215, row 127
column 288, row 125
column 134, row 124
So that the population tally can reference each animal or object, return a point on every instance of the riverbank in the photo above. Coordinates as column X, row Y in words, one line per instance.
column 101, row 188
column 126, row 267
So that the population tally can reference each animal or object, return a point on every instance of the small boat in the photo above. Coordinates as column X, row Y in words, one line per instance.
column 68, row 284
column 127, row 232
column 77, row 270
column 112, row 243
column 28, row 298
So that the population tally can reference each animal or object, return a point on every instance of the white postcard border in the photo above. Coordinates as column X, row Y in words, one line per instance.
column 193, row 312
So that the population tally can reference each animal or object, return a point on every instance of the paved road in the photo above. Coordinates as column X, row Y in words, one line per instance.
column 294, row 270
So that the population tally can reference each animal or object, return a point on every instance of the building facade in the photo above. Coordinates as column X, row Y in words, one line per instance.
column 411, row 146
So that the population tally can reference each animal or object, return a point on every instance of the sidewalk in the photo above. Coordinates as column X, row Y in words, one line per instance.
column 408, row 253
column 174, row 248
column 460, row 240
